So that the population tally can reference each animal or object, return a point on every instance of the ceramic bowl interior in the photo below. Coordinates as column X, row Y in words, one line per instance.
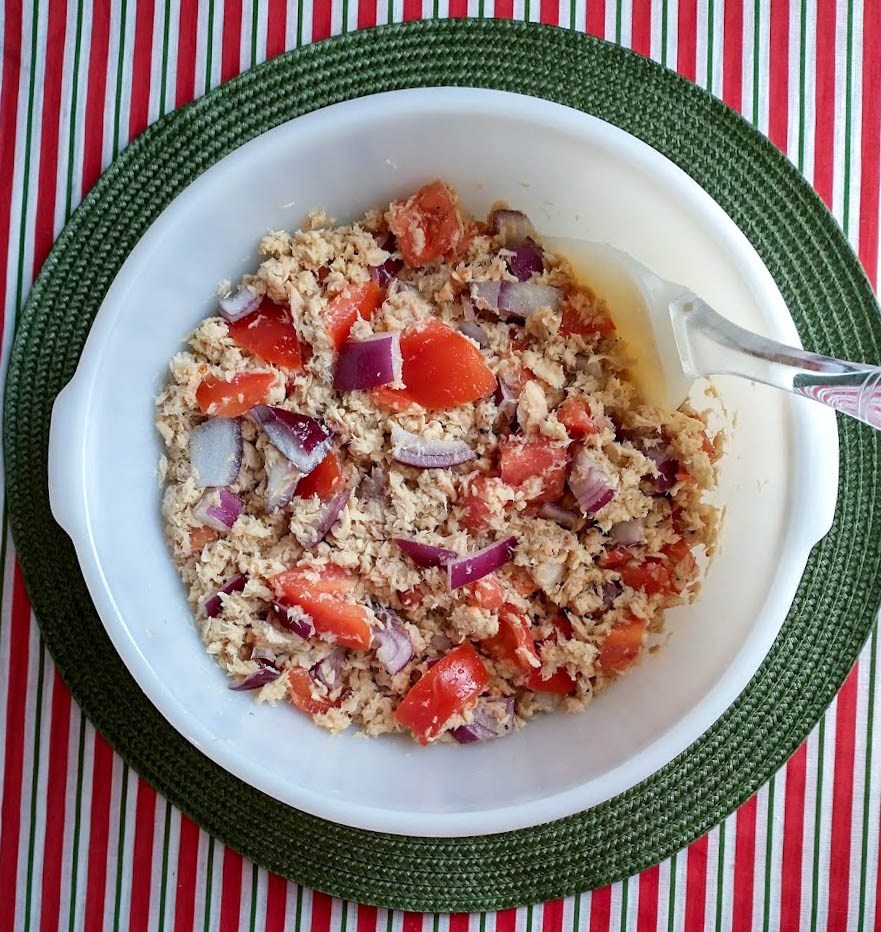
column 575, row 176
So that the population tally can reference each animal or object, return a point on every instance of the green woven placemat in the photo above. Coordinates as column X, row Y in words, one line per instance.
column 833, row 307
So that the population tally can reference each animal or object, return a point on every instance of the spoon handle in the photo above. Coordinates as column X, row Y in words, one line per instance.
column 711, row 345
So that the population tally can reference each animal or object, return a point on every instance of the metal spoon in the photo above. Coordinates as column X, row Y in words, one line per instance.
column 677, row 337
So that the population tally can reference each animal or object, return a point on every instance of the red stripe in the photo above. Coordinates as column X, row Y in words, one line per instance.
column 641, row 27
column 56, row 797
column 459, row 9
column 185, row 82
column 824, row 125
column 44, row 223
column 321, row 20
column 595, row 18
column 504, row 9
column 187, row 862
column 552, row 916
column 842, row 800
column 411, row 922
column 93, row 141
column 744, row 866
column 778, row 78
column 276, row 904
column 231, row 54
column 732, row 55
column 459, row 922
column 549, row 12
column 366, row 918
column 141, row 62
column 142, row 855
column 99, row 831
column 647, row 915
column 16, row 703
column 276, row 25
column 506, row 920
column 696, row 884
column 8, row 109
column 793, row 835
column 600, row 909
column 321, row 907
column 686, row 46
column 870, row 142
column 412, row 10
column 231, row 891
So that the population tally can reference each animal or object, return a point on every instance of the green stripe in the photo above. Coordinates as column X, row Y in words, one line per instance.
column 867, row 784
column 209, row 43
column 77, row 822
column 120, row 60
column 671, row 896
column 482, row 925
column 572, row 8
column 209, row 871
column 298, row 914
column 664, row 14
column 255, row 26
column 300, row 22
column 120, row 845
column 576, row 913
column 343, row 915
column 818, row 813
column 623, row 908
column 801, row 85
column 252, row 923
column 769, row 847
column 710, row 30
column 74, row 92
column 848, row 69
column 720, row 876
column 529, row 919
column 388, row 924
column 163, row 884
column 163, row 78
column 435, row 923
column 757, row 29
column 35, row 776
column 618, row 22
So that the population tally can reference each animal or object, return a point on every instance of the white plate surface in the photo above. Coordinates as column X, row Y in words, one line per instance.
column 575, row 176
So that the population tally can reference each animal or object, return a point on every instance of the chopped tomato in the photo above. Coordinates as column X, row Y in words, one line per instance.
column 520, row 580
column 573, row 322
column 448, row 688
column 516, row 377
column 324, row 481
column 200, row 536
column 621, row 646
column 676, row 551
column 476, row 511
column 269, row 333
column 514, row 642
column 329, row 579
column 300, row 691
column 442, row 368
column 651, row 577
column 393, row 399
column 486, row 593
column 683, row 475
column 707, row 446
column 427, row 224
column 354, row 301
column 410, row 598
column 221, row 398
column 521, row 458
column 563, row 626
column 574, row 415
column 615, row 559
column 558, row 682
column 682, row 563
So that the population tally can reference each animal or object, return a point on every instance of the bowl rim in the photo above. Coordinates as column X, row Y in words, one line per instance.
column 817, row 433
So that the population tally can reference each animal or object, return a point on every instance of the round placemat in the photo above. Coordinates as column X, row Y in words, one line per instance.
column 835, row 312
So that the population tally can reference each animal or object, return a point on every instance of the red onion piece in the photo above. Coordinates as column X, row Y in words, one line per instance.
column 218, row 508
column 334, row 509
column 328, row 671
column 654, row 447
column 412, row 450
column 372, row 487
column 265, row 673
column 303, row 440
column 214, row 605
column 629, row 532
column 474, row 566
column 293, row 620
column 394, row 648
column 526, row 261
column 493, row 718
column 468, row 311
column 520, row 299
column 610, row 592
column 424, row 554
column 563, row 516
column 512, row 225
column 383, row 274
column 473, row 329
column 262, row 653
column 216, row 451
column 506, row 402
column 441, row 642
column 667, row 478
column 236, row 306
column 486, row 294
column 368, row 363
column 589, row 483
column 281, row 482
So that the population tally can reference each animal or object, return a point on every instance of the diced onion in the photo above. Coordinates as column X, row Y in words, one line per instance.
column 520, row 299
column 474, row 330
column 486, row 723
column 281, row 483
column 303, row 440
column 216, row 451
column 265, row 673
column 629, row 532
column 394, row 648
column 512, row 225
column 589, row 483
column 368, row 363
column 236, row 306
column 293, row 620
column 218, row 508
column 412, row 450
column 331, row 514
column 526, row 261
column 563, row 516
column 328, row 671
column 214, row 605
column 424, row 554
column 468, row 569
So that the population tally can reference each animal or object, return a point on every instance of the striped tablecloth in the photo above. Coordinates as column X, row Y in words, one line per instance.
column 86, row 844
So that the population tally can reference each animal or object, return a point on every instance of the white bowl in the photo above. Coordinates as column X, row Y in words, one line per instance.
column 575, row 176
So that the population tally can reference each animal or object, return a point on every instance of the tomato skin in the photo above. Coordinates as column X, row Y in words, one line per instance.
column 329, row 579
column 446, row 689
column 487, row 593
column 514, row 642
column 574, row 323
column 221, row 398
column 622, row 646
column 300, row 691
column 393, row 399
column 269, row 333
column 676, row 551
column 650, row 576
column 354, row 301
column 562, row 626
column 574, row 415
column 559, row 682
column 520, row 580
column 443, row 369
column 615, row 559
column 521, row 458
column 427, row 225
column 476, row 513
column 411, row 598
column 324, row 481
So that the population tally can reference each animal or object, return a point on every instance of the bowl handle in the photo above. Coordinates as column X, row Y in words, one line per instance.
column 66, row 467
